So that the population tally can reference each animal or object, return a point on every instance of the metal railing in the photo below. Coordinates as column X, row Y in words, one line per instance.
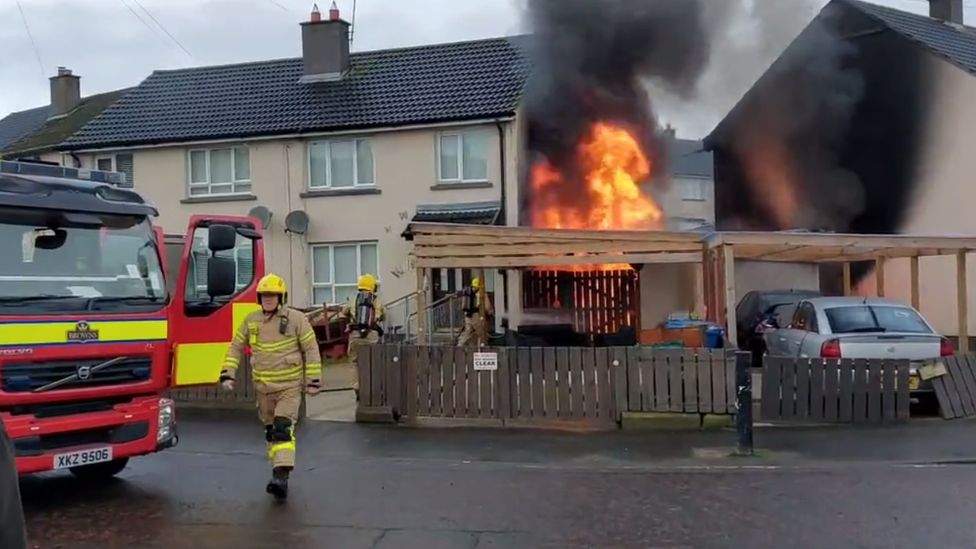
column 444, row 317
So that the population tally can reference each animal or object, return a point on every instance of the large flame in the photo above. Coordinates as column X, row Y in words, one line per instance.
column 612, row 167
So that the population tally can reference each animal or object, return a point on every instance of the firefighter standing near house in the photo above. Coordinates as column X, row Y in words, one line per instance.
column 284, row 360
column 364, row 313
column 475, row 330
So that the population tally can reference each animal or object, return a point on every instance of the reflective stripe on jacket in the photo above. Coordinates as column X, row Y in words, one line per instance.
column 276, row 358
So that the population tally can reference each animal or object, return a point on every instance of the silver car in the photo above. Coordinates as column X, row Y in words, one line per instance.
column 857, row 327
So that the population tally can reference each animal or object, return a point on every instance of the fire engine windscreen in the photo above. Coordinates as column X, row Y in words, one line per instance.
column 66, row 261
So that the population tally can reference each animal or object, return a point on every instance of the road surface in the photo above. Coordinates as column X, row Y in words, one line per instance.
column 379, row 487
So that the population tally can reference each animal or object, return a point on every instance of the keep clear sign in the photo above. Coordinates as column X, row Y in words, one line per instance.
column 486, row 361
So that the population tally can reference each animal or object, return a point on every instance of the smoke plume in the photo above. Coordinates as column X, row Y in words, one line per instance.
column 589, row 60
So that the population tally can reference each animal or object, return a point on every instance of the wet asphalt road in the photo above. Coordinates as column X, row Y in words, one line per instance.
column 361, row 487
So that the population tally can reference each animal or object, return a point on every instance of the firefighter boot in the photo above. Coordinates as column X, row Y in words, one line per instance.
column 278, row 487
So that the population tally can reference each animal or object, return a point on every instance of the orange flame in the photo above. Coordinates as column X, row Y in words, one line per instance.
column 613, row 166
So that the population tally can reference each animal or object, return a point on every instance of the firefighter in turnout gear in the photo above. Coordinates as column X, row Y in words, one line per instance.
column 475, row 330
column 284, row 360
column 364, row 313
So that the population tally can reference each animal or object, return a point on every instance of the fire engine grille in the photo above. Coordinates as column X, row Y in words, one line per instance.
column 23, row 377
column 601, row 301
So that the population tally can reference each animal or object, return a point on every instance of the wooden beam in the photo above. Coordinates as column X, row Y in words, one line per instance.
column 421, row 306
column 542, row 261
column 962, row 302
column 847, row 278
column 422, row 230
column 506, row 249
column 731, row 332
column 913, row 281
column 879, row 274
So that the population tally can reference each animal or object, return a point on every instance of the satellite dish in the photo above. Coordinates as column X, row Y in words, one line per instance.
column 296, row 222
column 262, row 214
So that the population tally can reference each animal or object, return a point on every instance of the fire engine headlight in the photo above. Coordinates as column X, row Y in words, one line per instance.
column 167, row 418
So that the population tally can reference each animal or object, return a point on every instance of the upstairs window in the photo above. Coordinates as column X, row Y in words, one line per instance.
column 219, row 171
column 463, row 157
column 340, row 164
column 693, row 190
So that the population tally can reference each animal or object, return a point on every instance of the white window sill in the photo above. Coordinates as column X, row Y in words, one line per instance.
column 447, row 185
column 211, row 198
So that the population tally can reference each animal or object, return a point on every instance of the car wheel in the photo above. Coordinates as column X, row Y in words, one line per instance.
column 100, row 471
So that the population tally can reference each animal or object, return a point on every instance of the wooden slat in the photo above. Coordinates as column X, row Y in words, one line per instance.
column 448, row 382
column 524, row 364
column 412, row 384
column 504, row 388
column 730, row 389
column 565, row 408
column 675, row 385
column 636, row 387
column 788, row 384
column 589, row 371
column 770, row 405
column 860, row 409
column 487, row 382
column 605, row 394
column 903, row 395
column 704, row 376
column 689, row 377
column 394, row 378
column 889, row 391
column 875, row 368
column 364, row 361
column 945, row 404
column 965, row 365
column 817, row 367
column 831, row 389
column 423, row 367
column 471, row 379
column 550, row 392
column 803, row 388
column 442, row 361
column 956, row 387
column 720, row 399
column 846, row 393
column 620, row 360
column 538, row 383
column 576, row 389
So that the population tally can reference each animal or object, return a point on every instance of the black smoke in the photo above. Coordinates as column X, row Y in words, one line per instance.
column 589, row 57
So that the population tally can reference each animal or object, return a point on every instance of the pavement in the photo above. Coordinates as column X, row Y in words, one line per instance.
column 385, row 487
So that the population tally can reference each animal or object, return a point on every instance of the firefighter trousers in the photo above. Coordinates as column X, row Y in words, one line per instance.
column 471, row 335
column 356, row 342
column 278, row 411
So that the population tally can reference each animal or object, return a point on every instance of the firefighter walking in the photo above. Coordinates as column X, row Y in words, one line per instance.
column 284, row 360
column 475, row 330
column 364, row 314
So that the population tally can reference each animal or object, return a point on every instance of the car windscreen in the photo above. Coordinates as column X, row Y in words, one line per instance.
column 874, row 318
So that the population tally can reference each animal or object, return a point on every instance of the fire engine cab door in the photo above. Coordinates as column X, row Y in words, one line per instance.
column 202, row 325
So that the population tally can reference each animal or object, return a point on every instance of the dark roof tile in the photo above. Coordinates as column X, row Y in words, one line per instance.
column 18, row 124
column 443, row 82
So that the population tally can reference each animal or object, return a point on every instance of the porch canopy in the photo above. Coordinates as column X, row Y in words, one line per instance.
column 723, row 248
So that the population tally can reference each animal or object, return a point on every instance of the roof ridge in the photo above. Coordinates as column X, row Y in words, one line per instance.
column 871, row 4
column 352, row 55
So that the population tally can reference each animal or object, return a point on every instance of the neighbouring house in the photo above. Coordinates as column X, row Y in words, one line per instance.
column 689, row 201
column 35, row 134
column 862, row 125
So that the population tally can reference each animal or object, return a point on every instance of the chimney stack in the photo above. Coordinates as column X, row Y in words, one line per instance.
column 949, row 11
column 325, row 46
column 65, row 92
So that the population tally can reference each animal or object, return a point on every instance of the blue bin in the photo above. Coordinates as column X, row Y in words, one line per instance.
column 714, row 337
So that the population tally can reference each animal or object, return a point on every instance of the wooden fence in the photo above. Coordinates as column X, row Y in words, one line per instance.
column 846, row 390
column 954, row 382
column 212, row 396
column 543, row 384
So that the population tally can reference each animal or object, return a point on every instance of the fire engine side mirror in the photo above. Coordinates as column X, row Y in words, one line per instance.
column 221, row 237
column 221, row 276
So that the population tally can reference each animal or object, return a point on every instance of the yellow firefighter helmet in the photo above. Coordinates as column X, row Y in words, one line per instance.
column 367, row 283
column 476, row 283
column 273, row 284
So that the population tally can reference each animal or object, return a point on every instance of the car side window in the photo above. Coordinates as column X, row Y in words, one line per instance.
column 805, row 318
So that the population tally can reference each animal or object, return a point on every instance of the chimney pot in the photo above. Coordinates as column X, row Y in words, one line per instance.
column 325, row 47
column 65, row 91
column 949, row 11
column 316, row 15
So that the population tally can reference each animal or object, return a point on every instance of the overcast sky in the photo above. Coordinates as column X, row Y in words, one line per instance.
column 116, row 43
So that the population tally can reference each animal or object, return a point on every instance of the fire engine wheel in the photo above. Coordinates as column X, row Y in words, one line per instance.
column 100, row 471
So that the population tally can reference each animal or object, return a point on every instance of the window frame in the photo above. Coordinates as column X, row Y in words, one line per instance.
column 209, row 184
column 101, row 157
column 328, row 164
column 701, row 185
column 331, row 285
column 460, row 136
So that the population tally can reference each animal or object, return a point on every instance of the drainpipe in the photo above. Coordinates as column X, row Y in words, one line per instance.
column 502, row 218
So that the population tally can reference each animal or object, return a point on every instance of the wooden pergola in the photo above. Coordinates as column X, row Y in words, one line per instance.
column 447, row 245
column 722, row 249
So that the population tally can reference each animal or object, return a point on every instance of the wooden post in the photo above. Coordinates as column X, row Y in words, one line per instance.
column 913, row 280
column 421, row 306
column 482, row 334
column 731, row 332
column 962, row 301
column 847, row 279
column 879, row 273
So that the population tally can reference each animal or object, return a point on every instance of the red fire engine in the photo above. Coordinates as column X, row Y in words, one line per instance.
column 91, row 334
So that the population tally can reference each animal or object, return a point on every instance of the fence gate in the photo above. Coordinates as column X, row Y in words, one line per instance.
column 846, row 390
